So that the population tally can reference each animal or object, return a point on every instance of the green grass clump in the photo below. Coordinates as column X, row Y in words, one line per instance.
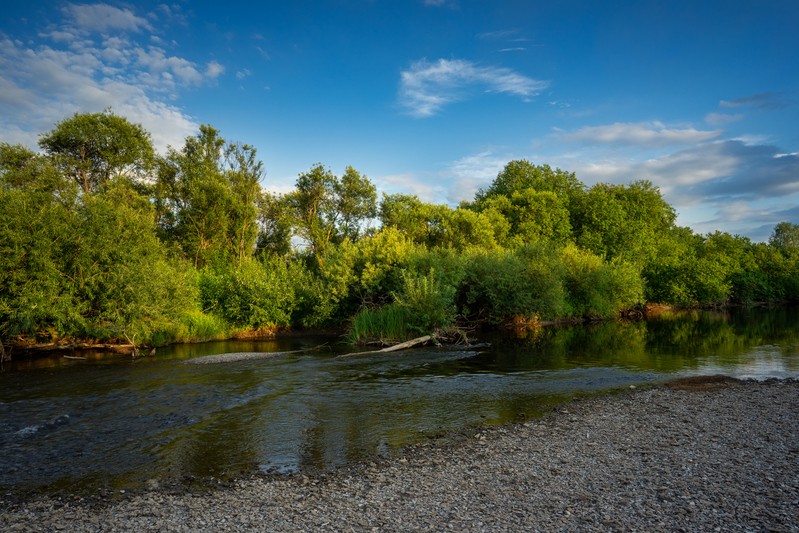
column 386, row 323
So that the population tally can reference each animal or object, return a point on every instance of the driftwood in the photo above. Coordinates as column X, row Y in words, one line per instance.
column 401, row 346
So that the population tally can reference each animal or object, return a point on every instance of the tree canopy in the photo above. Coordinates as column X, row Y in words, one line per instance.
column 103, row 238
column 93, row 148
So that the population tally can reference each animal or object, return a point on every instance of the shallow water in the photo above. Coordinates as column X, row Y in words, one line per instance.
column 108, row 422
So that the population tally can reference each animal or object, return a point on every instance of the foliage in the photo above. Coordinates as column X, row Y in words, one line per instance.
column 520, row 175
column 253, row 294
column 274, row 233
column 385, row 323
column 429, row 301
column 599, row 289
column 420, row 222
column 207, row 197
column 498, row 286
column 326, row 210
column 622, row 221
column 93, row 268
column 785, row 238
column 93, row 148
column 91, row 246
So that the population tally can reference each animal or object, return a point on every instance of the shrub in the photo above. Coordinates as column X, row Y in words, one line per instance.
column 253, row 295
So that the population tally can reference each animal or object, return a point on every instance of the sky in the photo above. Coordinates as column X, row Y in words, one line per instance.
column 434, row 97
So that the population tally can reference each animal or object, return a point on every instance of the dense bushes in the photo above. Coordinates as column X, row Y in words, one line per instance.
column 252, row 295
column 188, row 246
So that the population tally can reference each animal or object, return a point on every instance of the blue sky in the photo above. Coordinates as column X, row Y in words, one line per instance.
column 433, row 97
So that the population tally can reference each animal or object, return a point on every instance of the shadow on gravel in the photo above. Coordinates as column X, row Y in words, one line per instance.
column 702, row 383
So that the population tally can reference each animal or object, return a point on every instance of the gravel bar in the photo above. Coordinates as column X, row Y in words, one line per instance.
column 711, row 455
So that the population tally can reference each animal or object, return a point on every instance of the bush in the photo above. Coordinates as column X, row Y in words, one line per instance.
column 253, row 295
column 597, row 289
column 498, row 286
column 428, row 300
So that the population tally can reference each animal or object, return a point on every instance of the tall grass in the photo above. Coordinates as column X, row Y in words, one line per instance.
column 386, row 323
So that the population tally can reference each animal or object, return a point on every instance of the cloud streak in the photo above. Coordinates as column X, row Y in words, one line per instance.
column 768, row 100
column 425, row 88
column 650, row 134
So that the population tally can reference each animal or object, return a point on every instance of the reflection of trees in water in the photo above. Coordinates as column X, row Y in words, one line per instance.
column 671, row 342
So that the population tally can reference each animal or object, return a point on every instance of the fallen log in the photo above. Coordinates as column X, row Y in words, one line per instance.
column 401, row 346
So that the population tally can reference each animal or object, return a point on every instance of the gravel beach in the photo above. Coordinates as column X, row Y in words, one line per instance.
column 706, row 455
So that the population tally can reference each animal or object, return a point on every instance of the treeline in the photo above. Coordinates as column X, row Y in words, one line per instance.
column 103, row 238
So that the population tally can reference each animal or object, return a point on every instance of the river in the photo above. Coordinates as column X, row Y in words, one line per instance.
column 110, row 423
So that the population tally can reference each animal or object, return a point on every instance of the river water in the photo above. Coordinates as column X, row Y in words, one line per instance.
column 107, row 422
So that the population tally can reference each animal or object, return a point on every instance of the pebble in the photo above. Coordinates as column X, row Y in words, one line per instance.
column 647, row 459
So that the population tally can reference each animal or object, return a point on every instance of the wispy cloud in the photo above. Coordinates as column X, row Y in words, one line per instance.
column 98, row 56
column 653, row 134
column 504, row 35
column 720, row 119
column 473, row 172
column 425, row 88
column 767, row 100
column 409, row 183
column 440, row 3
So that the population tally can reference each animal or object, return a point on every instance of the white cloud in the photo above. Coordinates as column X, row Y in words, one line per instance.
column 409, row 183
column 473, row 172
column 156, row 62
column 640, row 134
column 44, row 83
column 427, row 87
column 214, row 70
column 725, row 184
column 98, row 18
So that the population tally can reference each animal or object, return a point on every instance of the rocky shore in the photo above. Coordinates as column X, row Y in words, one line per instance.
column 706, row 455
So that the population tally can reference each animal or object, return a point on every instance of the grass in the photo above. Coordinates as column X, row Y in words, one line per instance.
column 386, row 323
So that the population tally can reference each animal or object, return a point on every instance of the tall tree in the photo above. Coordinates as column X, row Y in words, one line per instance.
column 327, row 210
column 785, row 237
column 519, row 175
column 622, row 221
column 207, row 197
column 93, row 148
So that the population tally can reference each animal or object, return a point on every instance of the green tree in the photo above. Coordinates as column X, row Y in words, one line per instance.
column 24, row 169
column 521, row 174
column 326, row 210
column 207, row 197
column 274, row 225
column 93, row 148
column 622, row 221
column 785, row 238
column 531, row 216
column 421, row 222
column 122, row 275
column 37, row 231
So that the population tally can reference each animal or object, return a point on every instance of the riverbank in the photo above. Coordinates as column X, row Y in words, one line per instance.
column 696, row 457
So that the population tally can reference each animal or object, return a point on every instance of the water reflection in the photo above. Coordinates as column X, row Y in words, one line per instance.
column 108, row 421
